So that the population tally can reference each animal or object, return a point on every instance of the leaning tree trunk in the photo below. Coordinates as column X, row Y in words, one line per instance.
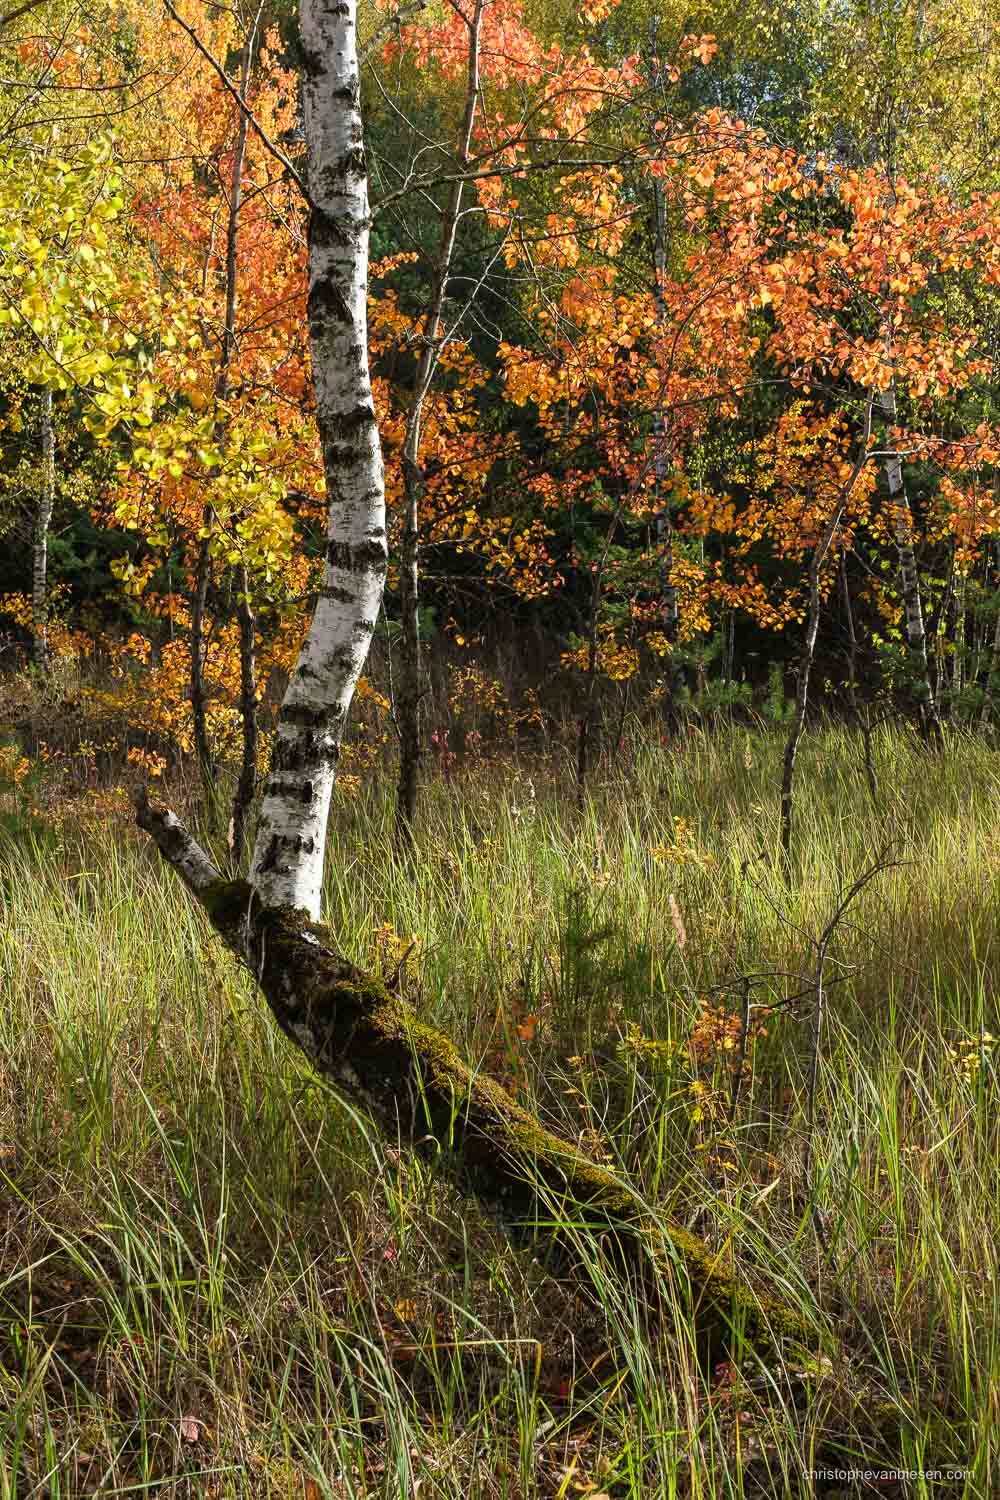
column 902, row 523
column 372, row 1046
column 40, row 545
column 354, row 1031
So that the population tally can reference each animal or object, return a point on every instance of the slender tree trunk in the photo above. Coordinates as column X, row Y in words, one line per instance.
column 247, row 780
column 937, row 636
column 958, row 642
column 287, row 866
column 410, row 693
column 40, row 544
column 979, row 631
column 247, row 783
column 670, row 613
column 203, row 566
column 902, row 524
column 585, row 730
column 199, row 600
column 816, row 562
column 993, row 665
column 861, row 723
column 852, row 639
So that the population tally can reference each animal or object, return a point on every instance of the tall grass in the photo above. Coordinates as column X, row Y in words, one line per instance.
column 216, row 1279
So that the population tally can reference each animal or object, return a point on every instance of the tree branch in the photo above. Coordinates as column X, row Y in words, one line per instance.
column 245, row 109
column 180, row 850
column 20, row 10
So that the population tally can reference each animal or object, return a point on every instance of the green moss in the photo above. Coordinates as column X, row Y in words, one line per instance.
column 508, row 1154
column 227, row 903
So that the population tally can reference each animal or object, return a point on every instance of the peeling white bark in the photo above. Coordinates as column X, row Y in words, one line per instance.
column 287, row 867
column 176, row 845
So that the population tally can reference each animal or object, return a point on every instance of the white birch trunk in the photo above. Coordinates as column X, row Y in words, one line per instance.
column 354, row 1031
column 287, row 867
column 40, row 546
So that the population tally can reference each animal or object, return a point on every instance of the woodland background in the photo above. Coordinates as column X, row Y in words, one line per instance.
column 668, row 792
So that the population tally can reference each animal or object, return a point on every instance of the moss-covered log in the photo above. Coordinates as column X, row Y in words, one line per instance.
column 373, row 1047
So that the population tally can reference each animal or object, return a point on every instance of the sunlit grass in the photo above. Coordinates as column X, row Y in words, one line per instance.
column 239, row 1288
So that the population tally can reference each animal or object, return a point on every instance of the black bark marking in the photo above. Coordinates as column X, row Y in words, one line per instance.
column 336, row 594
column 317, row 716
column 357, row 557
column 327, row 303
column 306, row 752
column 292, row 791
column 343, row 428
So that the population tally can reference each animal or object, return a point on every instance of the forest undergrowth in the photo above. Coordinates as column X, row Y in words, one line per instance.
column 217, row 1280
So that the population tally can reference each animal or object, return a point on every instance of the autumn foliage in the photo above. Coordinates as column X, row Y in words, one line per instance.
column 639, row 424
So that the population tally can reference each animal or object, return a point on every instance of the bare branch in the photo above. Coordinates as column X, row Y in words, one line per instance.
column 405, row 14
column 20, row 10
column 245, row 109
column 178, row 847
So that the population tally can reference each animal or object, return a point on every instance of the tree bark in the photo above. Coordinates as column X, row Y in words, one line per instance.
column 199, row 601
column 247, row 783
column 287, row 866
column 959, row 641
column 203, row 566
column 588, row 710
column 40, row 545
column 669, row 611
column 993, row 664
column 410, row 693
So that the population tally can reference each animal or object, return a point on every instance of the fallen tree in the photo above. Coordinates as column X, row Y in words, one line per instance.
column 356, row 1033
column 410, row 1077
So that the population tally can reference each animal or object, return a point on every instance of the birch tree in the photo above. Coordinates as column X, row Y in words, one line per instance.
column 355, row 1031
